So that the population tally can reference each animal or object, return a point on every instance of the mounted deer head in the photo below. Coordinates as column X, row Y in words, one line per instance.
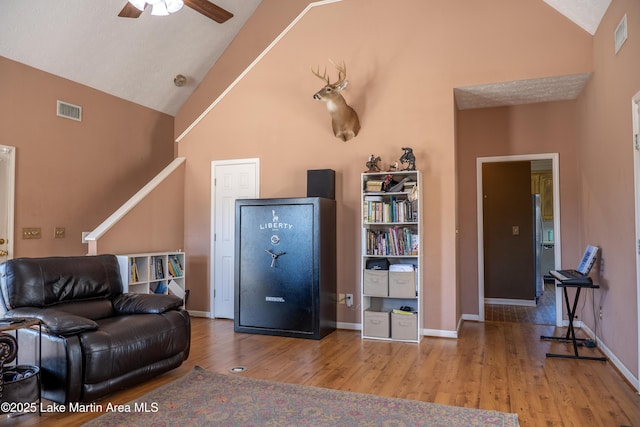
column 344, row 119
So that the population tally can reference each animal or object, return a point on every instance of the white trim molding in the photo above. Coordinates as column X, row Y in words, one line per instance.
column 253, row 64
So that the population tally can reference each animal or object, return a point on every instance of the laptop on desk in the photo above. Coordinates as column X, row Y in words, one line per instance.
column 579, row 276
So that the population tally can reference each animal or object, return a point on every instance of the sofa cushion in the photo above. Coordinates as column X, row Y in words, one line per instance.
column 41, row 282
column 122, row 344
column 54, row 321
column 145, row 303
column 91, row 309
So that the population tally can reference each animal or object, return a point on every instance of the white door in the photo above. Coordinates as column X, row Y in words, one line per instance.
column 635, row 111
column 7, row 178
column 231, row 180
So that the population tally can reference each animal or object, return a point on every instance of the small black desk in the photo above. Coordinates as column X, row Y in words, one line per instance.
column 571, row 333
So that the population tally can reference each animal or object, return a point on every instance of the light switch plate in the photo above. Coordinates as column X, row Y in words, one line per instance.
column 32, row 233
column 59, row 233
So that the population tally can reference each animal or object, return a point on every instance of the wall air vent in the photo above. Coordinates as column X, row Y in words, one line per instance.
column 69, row 111
column 621, row 33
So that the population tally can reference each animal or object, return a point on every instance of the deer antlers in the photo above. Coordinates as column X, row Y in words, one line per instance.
column 342, row 74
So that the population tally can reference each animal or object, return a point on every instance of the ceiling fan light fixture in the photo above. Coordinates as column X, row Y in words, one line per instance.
column 159, row 9
column 174, row 5
column 138, row 4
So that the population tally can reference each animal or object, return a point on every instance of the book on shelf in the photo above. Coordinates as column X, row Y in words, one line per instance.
column 398, row 311
column 175, row 289
column 133, row 271
column 159, row 266
column 373, row 185
column 175, row 267
column 161, row 288
column 392, row 210
column 408, row 186
column 398, row 186
column 394, row 241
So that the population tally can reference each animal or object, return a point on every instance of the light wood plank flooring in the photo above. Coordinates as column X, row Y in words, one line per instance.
column 493, row 365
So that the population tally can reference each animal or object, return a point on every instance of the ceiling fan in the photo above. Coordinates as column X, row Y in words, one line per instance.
column 134, row 8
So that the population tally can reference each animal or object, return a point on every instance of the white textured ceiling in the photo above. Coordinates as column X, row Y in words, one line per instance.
column 137, row 59
column 586, row 13
column 546, row 89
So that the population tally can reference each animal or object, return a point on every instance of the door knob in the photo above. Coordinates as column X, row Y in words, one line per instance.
column 3, row 253
column 2, row 241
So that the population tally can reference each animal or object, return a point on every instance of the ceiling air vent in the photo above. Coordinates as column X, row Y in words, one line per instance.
column 69, row 111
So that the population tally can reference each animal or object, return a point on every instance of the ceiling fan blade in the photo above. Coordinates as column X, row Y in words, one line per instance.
column 130, row 11
column 209, row 10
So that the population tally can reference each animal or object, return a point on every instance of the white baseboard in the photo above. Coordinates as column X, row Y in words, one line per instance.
column 196, row 313
column 350, row 326
column 425, row 332
column 607, row 352
column 439, row 333
column 506, row 301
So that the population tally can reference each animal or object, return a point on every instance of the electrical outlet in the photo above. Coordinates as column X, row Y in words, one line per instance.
column 341, row 298
column 600, row 313
column 349, row 300
column 601, row 269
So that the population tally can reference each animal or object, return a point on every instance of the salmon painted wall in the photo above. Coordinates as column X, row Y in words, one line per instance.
column 505, row 131
column 402, row 73
column 269, row 19
column 154, row 224
column 74, row 174
column 606, row 181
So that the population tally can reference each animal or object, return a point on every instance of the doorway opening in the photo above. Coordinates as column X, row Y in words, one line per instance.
column 507, row 309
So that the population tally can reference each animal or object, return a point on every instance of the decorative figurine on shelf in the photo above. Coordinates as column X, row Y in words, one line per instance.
column 408, row 158
column 372, row 164
column 393, row 167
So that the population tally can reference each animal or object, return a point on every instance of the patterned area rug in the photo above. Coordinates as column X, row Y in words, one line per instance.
column 204, row 398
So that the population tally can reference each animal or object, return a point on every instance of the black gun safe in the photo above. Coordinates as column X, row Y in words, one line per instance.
column 285, row 267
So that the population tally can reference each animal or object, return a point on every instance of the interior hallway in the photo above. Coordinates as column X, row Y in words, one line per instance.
column 544, row 313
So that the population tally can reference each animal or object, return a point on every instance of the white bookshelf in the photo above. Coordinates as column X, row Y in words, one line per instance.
column 391, row 231
column 159, row 272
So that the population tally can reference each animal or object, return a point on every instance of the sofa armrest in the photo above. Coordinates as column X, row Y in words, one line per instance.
column 145, row 303
column 54, row 321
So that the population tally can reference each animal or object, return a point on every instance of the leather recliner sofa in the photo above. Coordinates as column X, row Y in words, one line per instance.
column 95, row 338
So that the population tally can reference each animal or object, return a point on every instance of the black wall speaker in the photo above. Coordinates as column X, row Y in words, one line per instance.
column 321, row 183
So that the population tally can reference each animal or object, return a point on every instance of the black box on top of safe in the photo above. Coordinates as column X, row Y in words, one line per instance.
column 285, row 266
column 321, row 183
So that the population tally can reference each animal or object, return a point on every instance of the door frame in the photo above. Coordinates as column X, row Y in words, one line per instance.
column 212, row 247
column 10, row 188
column 557, row 250
column 635, row 144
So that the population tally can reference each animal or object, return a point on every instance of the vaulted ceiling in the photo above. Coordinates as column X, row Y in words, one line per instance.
column 138, row 59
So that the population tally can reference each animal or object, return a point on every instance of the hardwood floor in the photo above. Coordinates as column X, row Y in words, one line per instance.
column 493, row 365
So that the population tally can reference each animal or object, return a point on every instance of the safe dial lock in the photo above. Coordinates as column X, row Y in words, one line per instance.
column 274, row 256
